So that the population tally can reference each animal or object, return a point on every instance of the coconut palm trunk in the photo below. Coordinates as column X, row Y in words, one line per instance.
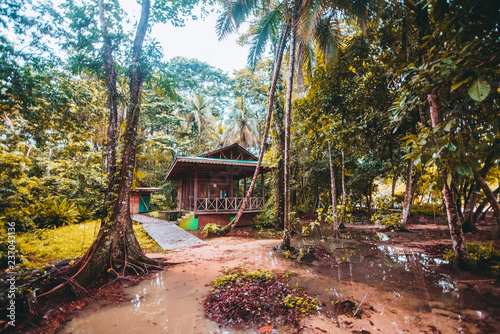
column 288, row 120
column 272, row 91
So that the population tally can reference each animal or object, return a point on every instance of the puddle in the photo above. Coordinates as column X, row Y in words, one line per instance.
column 400, row 285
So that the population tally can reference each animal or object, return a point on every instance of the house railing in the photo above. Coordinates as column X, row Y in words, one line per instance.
column 223, row 204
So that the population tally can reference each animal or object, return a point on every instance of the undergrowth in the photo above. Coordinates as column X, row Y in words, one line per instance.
column 68, row 242
column 485, row 256
column 211, row 230
column 243, row 298
column 391, row 221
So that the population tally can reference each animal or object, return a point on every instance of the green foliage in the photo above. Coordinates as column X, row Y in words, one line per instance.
column 159, row 202
column 391, row 221
column 7, row 239
column 264, row 220
column 305, row 305
column 56, row 212
column 241, row 277
column 384, row 202
column 399, row 198
column 486, row 257
column 326, row 216
column 426, row 209
column 211, row 230
column 147, row 243
column 345, row 213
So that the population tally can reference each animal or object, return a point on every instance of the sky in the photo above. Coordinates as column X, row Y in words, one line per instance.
column 197, row 39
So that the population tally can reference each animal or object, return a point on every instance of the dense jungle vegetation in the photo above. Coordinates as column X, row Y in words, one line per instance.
column 370, row 104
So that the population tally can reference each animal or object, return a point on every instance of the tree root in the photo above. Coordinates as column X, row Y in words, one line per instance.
column 33, row 306
column 78, row 290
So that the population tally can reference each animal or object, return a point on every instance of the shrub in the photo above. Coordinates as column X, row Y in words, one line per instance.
column 391, row 221
column 56, row 212
column 485, row 256
column 425, row 209
column 211, row 230
column 383, row 202
column 159, row 202
column 246, row 298
column 399, row 198
column 264, row 220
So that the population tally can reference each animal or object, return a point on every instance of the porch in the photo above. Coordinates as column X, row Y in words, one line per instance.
column 229, row 204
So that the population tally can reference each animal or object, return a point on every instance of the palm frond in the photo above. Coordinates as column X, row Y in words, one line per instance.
column 264, row 30
column 233, row 15
column 327, row 37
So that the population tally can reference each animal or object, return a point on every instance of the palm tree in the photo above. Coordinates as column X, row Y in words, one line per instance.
column 269, row 28
column 277, row 24
column 201, row 114
column 242, row 127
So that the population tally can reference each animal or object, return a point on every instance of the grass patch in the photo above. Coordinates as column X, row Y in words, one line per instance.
column 147, row 243
column 69, row 242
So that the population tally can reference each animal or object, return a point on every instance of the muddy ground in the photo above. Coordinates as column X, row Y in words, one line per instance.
column 397, row 279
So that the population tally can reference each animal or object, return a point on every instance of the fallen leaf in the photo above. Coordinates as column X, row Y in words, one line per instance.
column 267, row 329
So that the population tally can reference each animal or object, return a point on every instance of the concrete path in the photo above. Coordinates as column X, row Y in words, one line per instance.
column 167, row 234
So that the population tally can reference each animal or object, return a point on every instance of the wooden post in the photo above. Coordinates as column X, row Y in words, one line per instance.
column 245, row 185
column 231, row 187
column 195, row 189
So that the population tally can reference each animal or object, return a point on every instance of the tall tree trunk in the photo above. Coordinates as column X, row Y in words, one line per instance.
column 369, row 198
column 342, row 222
column 469, row 225
column 454, row 221
column 272, row 92
column 279, row 186
column 334, row 194
column 469, row 221
column 110, row 72
column 393, row 186
column 116, row 250
column 288, row 121
column 408, row 194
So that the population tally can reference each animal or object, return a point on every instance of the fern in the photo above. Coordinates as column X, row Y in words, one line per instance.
column 56, row 212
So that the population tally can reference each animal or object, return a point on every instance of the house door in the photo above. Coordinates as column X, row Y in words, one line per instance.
column 144, row 203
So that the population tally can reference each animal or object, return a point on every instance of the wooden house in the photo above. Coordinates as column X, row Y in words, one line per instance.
column 213, row 185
